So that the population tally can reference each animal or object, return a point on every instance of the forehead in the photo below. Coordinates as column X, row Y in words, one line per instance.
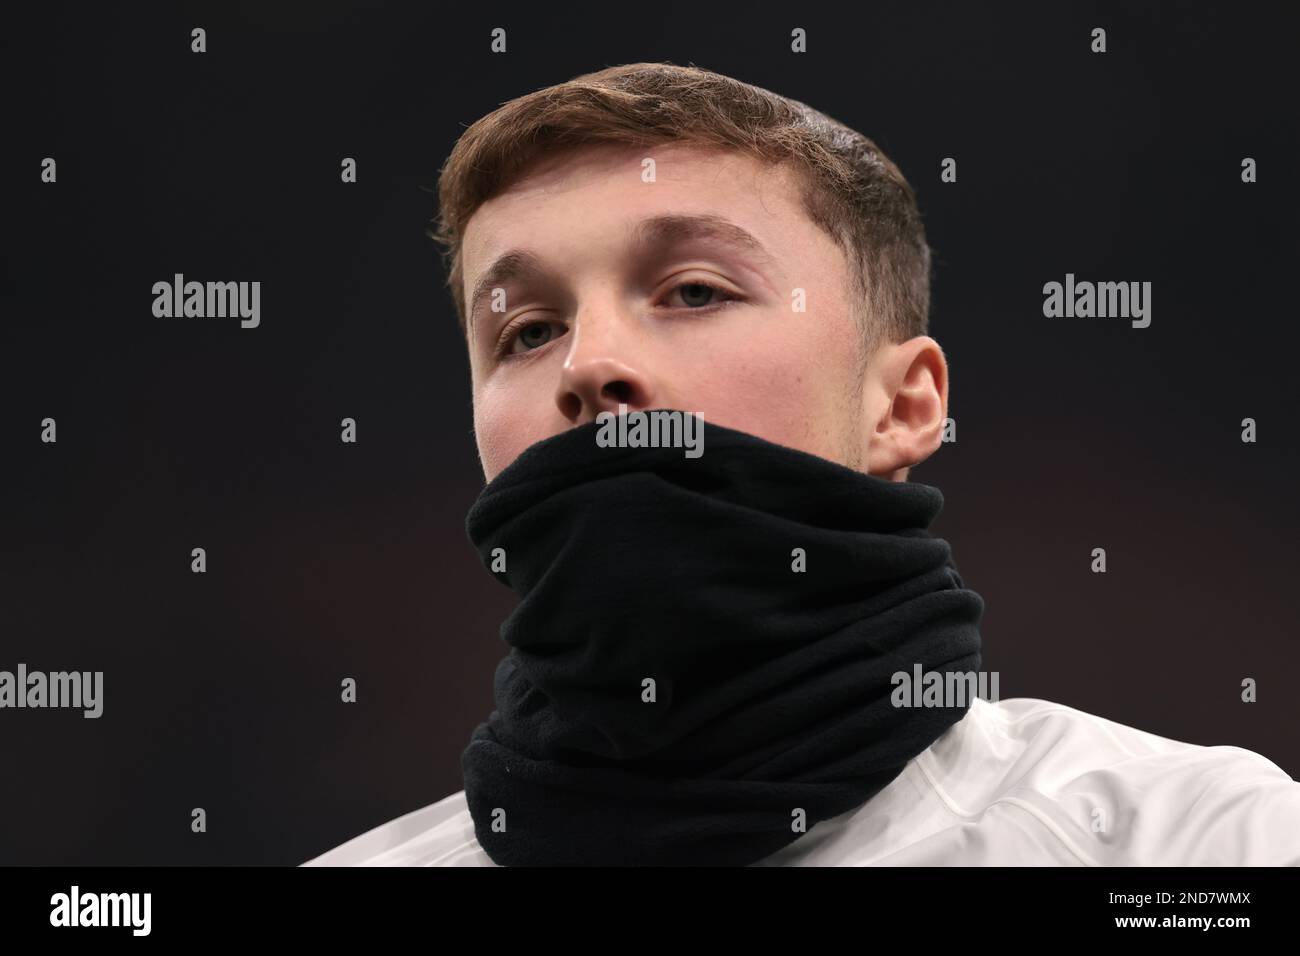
column 579, row 196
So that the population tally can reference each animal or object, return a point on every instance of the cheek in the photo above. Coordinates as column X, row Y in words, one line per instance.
column 504, row 426
column 786, row 383
column 779, row 390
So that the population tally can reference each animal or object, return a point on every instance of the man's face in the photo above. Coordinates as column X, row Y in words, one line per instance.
column 609, row 309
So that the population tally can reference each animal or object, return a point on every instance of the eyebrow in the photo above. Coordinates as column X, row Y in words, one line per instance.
column 515, row 264
column 657, row 231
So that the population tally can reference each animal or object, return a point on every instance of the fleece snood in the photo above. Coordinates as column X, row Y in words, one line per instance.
column 701, row 661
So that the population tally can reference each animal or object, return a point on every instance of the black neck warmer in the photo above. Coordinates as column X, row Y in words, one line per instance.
column 682, row 681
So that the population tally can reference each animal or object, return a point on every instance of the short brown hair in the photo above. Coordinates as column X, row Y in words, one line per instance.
column 850, row 188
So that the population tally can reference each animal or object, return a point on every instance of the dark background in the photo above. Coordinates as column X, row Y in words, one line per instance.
column 328, row 560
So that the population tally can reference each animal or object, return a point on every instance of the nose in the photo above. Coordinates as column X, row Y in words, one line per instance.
column 600, row 373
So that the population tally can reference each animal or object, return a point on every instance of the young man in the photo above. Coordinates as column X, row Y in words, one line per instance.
column 720, row 653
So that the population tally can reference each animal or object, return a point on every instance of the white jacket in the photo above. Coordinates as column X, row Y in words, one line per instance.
column 1019, row 782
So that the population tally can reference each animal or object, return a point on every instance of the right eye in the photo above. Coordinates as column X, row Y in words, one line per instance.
column 529, row 336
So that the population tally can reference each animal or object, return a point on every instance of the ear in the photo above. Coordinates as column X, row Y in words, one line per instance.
column 906, row 404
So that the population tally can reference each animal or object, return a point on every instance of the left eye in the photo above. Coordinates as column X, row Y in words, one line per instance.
column 699, row 294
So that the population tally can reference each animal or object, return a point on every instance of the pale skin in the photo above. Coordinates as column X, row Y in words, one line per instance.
column 605, row 323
